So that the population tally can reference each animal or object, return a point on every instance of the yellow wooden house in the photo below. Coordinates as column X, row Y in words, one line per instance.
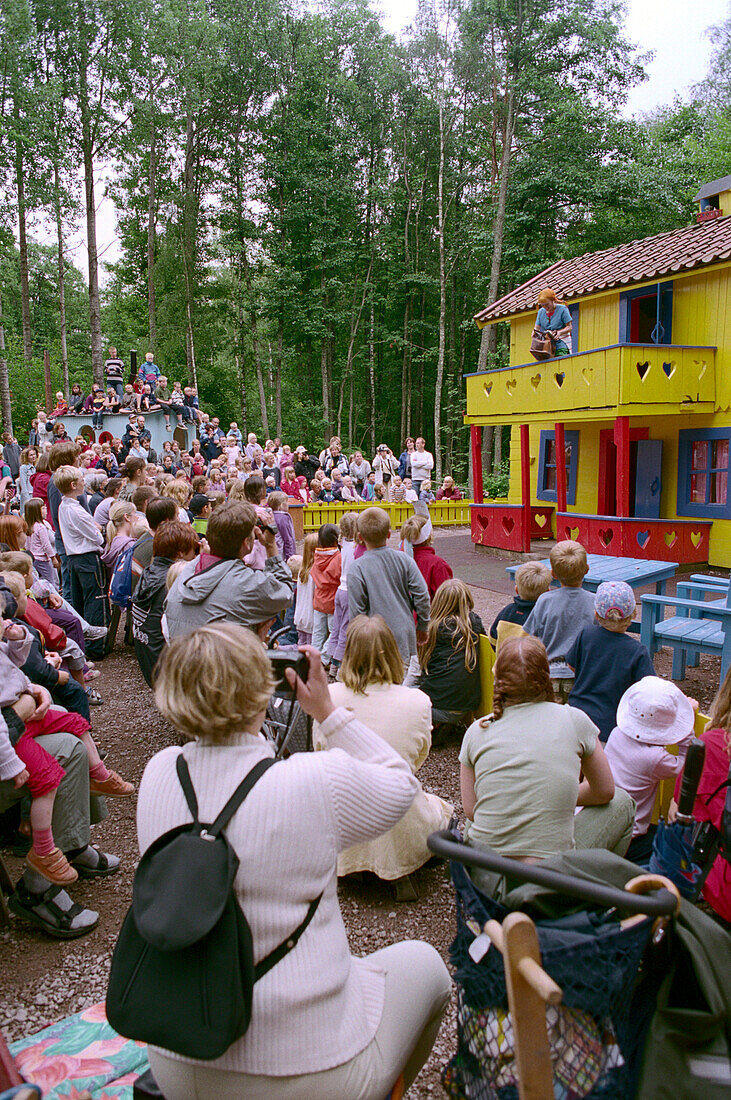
column 625, row 443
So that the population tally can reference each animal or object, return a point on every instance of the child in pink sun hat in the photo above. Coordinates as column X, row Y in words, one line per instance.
column 651, row 715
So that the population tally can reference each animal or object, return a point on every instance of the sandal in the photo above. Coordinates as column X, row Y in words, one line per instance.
column 26, row 905
column 95, row 699
column 103, row 868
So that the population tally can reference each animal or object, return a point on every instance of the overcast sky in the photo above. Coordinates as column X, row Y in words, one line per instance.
column 673, row 29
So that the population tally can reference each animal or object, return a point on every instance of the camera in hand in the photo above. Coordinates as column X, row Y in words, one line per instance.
column 266, row 526
column 281, row 660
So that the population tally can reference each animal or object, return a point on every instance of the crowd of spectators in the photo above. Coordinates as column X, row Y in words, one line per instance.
column 198, row 546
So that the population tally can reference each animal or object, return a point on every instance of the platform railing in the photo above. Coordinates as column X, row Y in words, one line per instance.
column 444, row 513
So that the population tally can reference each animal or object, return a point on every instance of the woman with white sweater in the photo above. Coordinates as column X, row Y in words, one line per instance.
column 324, row 1023
column 371, row 673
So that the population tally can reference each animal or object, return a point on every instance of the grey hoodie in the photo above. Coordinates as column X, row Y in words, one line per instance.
column 227, row 591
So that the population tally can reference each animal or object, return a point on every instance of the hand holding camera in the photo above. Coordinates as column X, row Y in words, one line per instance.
column 312, row 691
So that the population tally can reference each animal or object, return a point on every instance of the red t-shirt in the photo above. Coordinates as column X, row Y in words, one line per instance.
column 717, row 888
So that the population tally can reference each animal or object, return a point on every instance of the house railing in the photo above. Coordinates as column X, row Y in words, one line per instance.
column 444, row 513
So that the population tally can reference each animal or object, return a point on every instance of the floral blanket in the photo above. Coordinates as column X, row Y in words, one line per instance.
column 78, row 1053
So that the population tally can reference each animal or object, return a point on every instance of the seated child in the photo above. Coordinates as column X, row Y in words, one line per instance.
column 651, row 714
column 398, row 490
column 449, row 669
column 605, row 659
column 255, row 492
column 304, row 615
column 325, row 575
column 560, row 613
column 294, row 564
column 369, row 489
column 341, row 614
column 410, row 494
column 200, row 508
column 531, row 580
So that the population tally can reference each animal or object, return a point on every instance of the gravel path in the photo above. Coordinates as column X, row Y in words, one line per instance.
column 44, row 980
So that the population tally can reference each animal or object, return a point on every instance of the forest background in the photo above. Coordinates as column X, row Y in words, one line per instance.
column 310, row 210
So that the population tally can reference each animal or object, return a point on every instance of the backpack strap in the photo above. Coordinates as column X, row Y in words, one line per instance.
column 726, row 783
column 271, row 960
column 234, row 801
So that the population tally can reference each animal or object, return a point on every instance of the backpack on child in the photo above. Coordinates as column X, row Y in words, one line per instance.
column 120, row 586
column 183, row 973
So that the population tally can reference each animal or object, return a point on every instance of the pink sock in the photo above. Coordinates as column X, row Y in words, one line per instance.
column 43, row 841
column 99, row 772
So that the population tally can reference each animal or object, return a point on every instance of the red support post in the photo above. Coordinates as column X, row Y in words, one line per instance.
column 525, row 487
column 621, row 440
column 560, row 444
column 476, row 441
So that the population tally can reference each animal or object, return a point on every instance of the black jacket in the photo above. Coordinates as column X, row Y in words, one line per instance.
column 147, row 609
column 447, row 680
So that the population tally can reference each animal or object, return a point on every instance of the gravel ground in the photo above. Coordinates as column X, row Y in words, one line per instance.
column 44, row 980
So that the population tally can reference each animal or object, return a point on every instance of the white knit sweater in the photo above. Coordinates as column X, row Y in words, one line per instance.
column 318, row 1007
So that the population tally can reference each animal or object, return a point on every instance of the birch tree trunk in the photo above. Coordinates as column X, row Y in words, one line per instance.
column 190, row 219
column 22, row 241
column 61, row 281
column 442, row 306
column 5, row 403
column 87, row 144
column 151, row 219
column 372, row 375
column 278, row 379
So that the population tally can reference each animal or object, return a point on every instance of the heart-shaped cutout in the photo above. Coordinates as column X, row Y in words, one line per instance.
column 487, row 388
column 606, row 535
column 696, row 537
column 560, row 378
column 642, row 369
column 541, row 520
column 508, row 524
column 669, row 368
column 571, row 533
column 670, row 539
column 588, row 375
column 702, row 367
column 643, row 537
column 483, row 522
column 535, row 381
column 510, row 386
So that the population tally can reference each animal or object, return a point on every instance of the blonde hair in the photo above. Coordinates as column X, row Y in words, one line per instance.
column 532, row 579
column 178, row 490
column 568, row 562
column 374, row 525
column 118, row 513
column 371, row 655
column 720, row 716
column 138, row 527
column 174, row 572
column 617, row 626
column 238, row 491
column 278, row 502
column 450, row 609
column 295, row 565
column 16, row 561
column 348, row 526
column 308, row 555
column 14, row 581
column 66, row 477
column 412, row 528
column 232, row 684
column 215, row 499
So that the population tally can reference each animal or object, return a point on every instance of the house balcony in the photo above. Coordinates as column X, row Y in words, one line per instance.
column 622, row 379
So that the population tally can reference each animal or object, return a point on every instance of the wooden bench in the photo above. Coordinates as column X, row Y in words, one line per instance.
column 696, row 627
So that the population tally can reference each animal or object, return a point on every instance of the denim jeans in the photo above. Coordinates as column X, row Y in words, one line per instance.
column 97, row 420
column 117, row 386
column 65, row 577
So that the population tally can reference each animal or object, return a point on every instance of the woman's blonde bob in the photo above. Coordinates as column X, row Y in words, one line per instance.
column 371, row 655
column 212, row 684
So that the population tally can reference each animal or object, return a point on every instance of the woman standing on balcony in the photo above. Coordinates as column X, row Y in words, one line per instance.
column 553, row 316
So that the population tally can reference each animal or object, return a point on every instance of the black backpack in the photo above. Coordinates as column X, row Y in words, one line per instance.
column 183, row 971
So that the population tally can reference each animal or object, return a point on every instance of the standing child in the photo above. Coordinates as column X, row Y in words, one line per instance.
column 200, row 508
column 83, row 542
column 326, row 580
column 388, row 583
column 40, row 542
column 531, row 580
column 304, row 615
column 286, row 543
column 341, row 616
column 369, row 488
column 416, row 536
column 560, row 613
column 605, row 659
column 652, row 714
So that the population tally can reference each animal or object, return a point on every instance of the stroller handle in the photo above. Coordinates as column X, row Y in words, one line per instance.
column 659, row 904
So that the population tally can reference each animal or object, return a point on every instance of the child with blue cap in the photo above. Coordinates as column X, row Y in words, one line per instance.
column 605, row 659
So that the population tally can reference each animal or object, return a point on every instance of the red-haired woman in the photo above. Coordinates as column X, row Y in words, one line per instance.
column 554, row 317
column 520, row 767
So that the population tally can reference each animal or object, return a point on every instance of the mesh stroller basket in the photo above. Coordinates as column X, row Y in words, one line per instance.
column 595, row 962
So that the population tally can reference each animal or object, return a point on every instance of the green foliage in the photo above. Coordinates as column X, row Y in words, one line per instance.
column 497, row 483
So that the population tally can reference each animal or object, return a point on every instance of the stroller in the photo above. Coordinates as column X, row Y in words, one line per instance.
column 581, row 977
column 286, row 725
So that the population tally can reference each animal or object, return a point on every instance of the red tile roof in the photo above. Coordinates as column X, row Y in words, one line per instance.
column 636, row 262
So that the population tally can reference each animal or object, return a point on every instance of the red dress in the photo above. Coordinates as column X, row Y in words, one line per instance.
column 433, row 569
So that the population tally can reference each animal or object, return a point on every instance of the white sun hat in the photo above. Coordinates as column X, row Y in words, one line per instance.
column 655, row 712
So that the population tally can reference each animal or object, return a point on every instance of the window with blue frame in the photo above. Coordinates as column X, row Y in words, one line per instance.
column 646, row 315
column 547, row 477
column 703, row 469
column 574, row 311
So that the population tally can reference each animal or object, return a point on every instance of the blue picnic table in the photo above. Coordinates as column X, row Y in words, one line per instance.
column 637, row 572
